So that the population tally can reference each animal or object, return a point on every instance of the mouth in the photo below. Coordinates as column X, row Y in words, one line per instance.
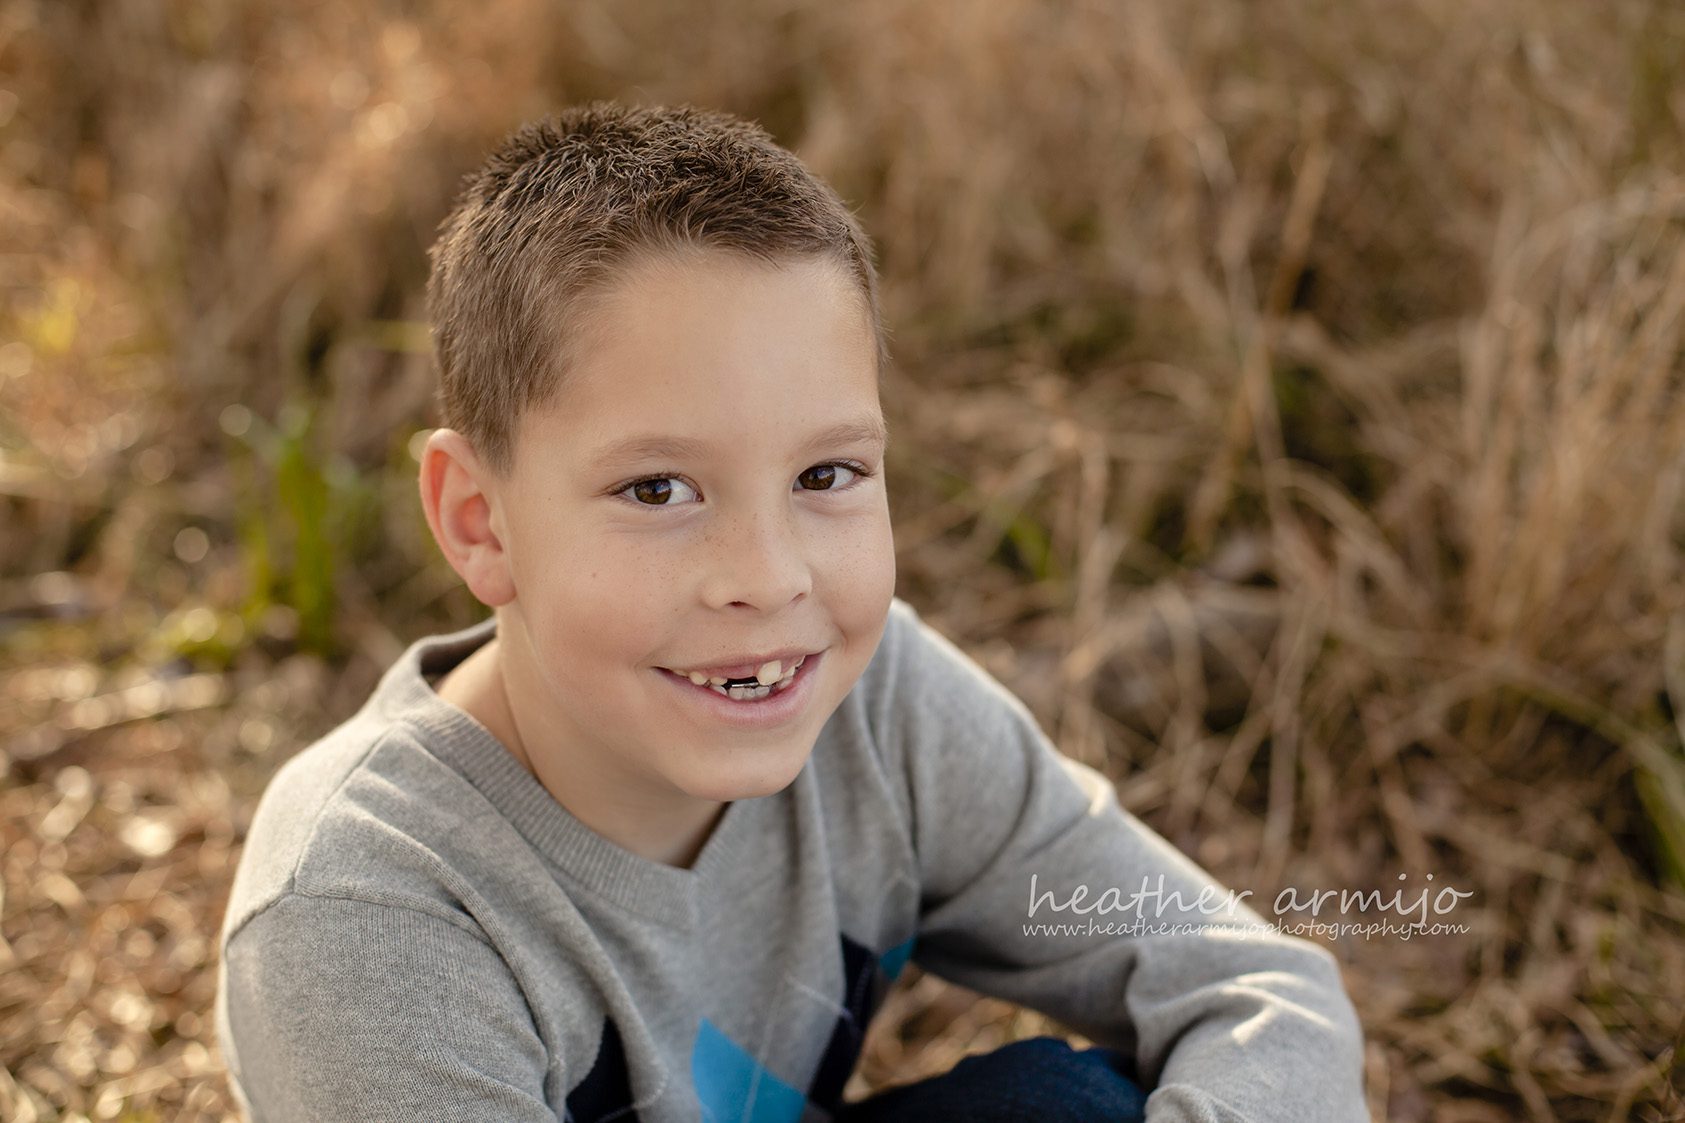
column 749, row 695
column 747, row 689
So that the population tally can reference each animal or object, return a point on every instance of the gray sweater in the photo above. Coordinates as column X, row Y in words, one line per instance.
column 418, row 930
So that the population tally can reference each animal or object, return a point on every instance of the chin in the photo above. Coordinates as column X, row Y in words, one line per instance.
column 726, row 784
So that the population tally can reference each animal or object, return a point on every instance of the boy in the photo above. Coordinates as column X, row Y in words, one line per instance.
column 652, row 841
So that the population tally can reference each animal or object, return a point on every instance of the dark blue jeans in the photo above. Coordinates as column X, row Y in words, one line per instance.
column 1041, row 1079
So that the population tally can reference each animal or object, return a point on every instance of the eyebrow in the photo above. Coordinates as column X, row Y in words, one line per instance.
column 869, row 430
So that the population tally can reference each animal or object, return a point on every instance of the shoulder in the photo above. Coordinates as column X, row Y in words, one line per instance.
column 365, row 813
column 336, row 1007
column 921, row 708
column 921, row 682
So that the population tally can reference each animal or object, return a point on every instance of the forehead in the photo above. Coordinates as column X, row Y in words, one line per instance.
column 705, row 351
column 705, row 299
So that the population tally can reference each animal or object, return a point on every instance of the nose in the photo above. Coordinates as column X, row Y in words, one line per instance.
column 759, row 559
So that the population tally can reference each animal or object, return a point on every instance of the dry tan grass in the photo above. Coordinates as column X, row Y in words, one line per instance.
column 1288, row 407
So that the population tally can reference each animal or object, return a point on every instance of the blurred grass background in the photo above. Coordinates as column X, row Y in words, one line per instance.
column 1288, row 406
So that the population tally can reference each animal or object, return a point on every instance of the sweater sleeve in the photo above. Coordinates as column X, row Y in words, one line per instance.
column 345, row 1009
column 1228, row 1021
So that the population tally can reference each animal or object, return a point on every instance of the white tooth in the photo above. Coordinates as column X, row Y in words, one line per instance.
column 717, row 680
column 698, row 678
column 770, row 672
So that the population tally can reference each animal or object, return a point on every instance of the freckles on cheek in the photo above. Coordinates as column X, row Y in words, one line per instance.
column 865, row 555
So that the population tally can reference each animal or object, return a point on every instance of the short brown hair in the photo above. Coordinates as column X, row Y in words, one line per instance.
column 563, row 203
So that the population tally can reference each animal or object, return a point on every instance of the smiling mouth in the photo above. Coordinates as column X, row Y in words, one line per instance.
column 743, row 689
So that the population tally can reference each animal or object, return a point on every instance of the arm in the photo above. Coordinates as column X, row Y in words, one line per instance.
column 1226, row 1023
column 345, row 1009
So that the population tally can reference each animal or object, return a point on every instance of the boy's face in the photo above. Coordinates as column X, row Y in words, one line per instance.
column 756, row 540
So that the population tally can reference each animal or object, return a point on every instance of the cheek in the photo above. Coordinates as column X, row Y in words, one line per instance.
column 590, row 596
column 863, row 559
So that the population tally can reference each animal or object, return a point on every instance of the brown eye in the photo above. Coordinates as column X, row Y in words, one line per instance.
column 827, row 473
column 653, row 493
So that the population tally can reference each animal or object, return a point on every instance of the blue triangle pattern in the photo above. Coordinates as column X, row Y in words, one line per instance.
column 896, row 958
column 733, row 1087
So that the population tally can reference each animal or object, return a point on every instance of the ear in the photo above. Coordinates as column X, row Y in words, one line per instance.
column 462, row 510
